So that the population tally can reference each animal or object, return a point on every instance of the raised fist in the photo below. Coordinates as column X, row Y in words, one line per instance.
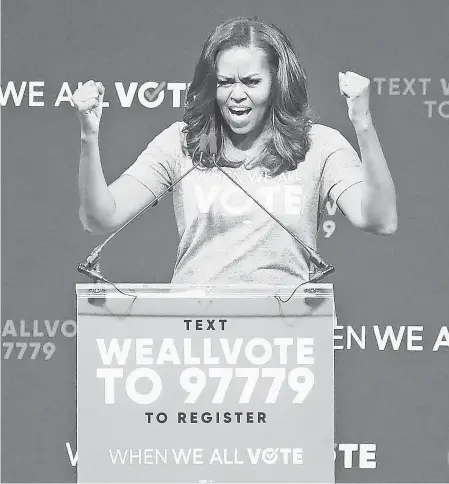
column 355, row 88
column 88, row 102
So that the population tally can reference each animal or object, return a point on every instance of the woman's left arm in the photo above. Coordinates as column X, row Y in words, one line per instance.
column 370, row 205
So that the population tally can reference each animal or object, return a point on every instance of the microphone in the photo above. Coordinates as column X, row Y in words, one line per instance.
column 323, row 267
column 91, row 265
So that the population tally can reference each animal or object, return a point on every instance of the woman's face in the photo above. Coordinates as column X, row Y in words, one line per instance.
column 243, row 90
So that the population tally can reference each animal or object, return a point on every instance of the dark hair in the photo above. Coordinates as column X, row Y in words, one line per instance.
column 291, row 115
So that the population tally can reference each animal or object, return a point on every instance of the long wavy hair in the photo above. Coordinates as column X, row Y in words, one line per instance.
column 290, row 113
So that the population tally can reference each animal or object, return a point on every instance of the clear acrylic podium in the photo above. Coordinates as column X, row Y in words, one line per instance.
column 179, row 383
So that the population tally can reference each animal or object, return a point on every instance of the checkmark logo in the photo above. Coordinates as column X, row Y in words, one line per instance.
column 270, row 456
column 151, row 95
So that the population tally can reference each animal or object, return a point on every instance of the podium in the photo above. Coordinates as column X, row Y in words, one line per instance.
column 202, row 383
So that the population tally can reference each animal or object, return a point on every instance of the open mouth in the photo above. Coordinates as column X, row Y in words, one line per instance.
column 240, row 112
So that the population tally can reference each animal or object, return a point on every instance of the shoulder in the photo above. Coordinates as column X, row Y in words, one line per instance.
column 178, row 126
column 169, row 139
column 326, row 140
column 322, row 134
column 173, row 131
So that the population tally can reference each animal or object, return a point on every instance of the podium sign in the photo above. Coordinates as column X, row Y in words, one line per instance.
column 205, row 384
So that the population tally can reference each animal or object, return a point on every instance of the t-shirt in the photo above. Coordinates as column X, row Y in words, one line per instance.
column 226, row 238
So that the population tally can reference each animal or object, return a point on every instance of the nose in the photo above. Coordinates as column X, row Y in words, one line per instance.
column 238, row 93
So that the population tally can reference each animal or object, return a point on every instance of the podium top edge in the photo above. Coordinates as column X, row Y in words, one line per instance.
column 194, row 290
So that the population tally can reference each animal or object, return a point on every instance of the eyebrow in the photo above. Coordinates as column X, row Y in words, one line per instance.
column 249, row 76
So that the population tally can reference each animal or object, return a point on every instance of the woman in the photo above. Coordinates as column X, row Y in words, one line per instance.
column 248, row 92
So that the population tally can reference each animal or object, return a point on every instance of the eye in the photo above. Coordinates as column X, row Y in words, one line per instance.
column 224, row 82
column 252, row 82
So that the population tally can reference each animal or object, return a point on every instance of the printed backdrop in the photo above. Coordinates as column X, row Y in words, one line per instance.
column 392, row 339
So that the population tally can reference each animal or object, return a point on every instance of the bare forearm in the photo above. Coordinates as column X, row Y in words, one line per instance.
column 96, row 201
column 379, row 198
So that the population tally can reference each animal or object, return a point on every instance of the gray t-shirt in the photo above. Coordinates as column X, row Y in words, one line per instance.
column 225, row 238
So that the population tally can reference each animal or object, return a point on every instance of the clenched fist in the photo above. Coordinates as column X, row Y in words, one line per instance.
column 356, row 90
column 88, row 102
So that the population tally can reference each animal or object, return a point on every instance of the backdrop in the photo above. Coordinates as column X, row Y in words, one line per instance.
column 392, row 383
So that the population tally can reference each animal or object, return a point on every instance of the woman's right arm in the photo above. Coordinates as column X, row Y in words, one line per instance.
column 102, row 208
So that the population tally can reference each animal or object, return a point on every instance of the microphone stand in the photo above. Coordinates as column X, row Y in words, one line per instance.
column 324, row 268
column 91, row 265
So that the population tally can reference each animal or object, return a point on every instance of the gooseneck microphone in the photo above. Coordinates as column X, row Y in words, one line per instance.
column 324, row 269
column 91, row 265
